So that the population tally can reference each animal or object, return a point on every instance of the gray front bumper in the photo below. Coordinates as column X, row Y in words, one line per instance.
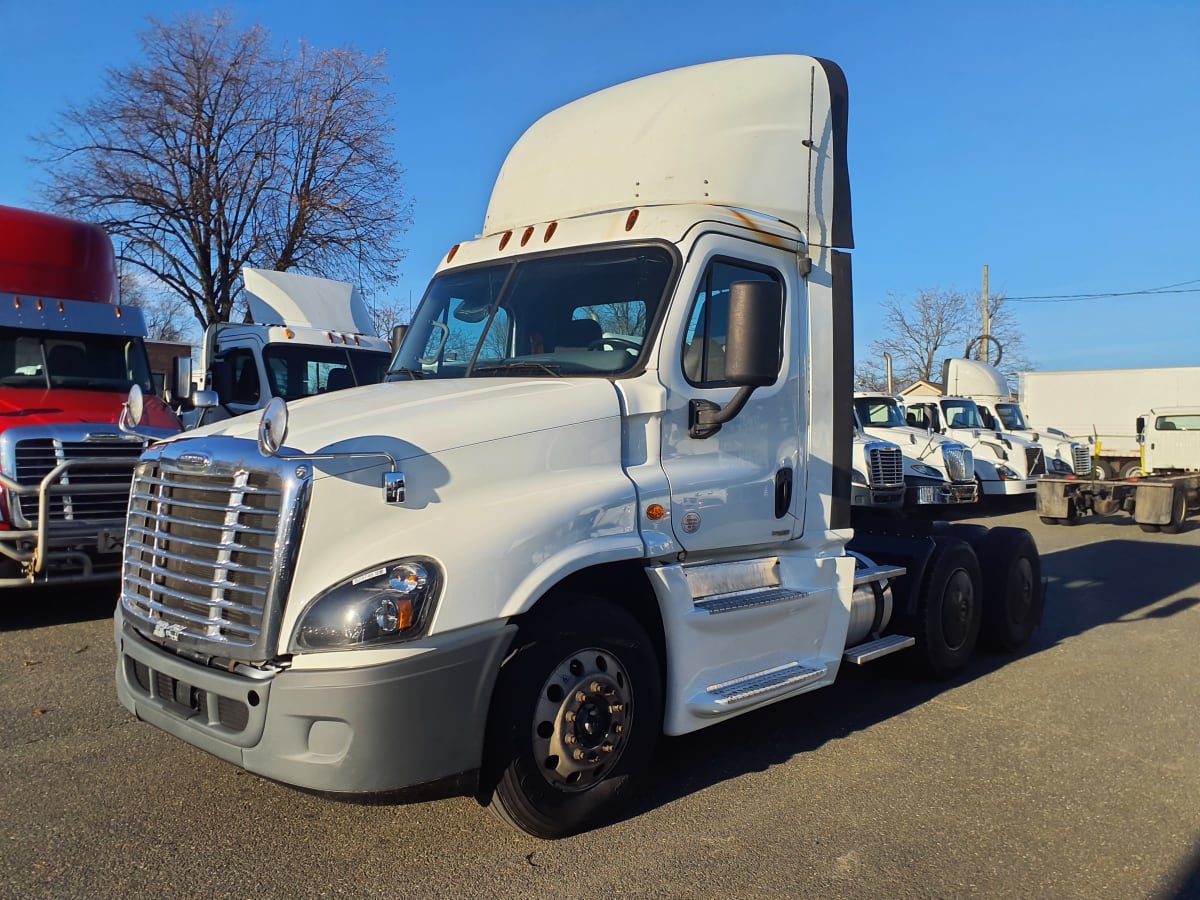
column 363, row 730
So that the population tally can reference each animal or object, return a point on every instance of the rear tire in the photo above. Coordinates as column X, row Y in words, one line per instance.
column 1012, row 588
column 1178, row 513
column 575, row 717
column 950, row 608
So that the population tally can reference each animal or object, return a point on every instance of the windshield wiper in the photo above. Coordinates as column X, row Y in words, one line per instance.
column 519, row 367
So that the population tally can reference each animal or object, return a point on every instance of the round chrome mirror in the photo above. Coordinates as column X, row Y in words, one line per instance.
column 136, row 405
column 272, row 428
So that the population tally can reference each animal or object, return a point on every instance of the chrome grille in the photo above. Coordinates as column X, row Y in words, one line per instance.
column 960, row 463
column 887, row 466
column 102, row 484
column 1082, row 454
column 208, row 553
column 1035, row 461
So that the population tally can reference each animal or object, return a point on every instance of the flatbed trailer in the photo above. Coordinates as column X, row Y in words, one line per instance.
column 1156, row 502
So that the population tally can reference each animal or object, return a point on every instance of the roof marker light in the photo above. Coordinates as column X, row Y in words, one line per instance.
column 527, row 235
column 550, row 229
column 453, row 250
column 504, row 239
column 631, row 220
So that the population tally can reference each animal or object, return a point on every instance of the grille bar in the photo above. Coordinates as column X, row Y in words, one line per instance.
column 887, row 467
column 209, row 549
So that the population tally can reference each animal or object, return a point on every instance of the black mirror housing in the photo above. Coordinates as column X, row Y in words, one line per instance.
column 752, row 348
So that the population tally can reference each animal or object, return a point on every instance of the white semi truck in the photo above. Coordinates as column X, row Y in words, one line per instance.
column 876, row 474
column 984, row 384
column 1160, row 497
column 536, row 547
column 1099, row 407
column 937, row 471
column 1005, row 465
column 306, row 336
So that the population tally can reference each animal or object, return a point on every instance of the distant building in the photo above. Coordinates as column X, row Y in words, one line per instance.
column 922, row 388
column 162, row 359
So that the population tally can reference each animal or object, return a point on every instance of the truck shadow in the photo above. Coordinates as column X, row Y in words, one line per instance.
column 41, row 607
column 1076, row 602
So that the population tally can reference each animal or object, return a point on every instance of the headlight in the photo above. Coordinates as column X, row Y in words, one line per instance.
column 1059, row 466
column 858, row 477
column 926, row 471
column 387, row 604
column 1007, row 474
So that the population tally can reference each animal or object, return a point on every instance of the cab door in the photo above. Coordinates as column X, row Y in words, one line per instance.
column 743, row 486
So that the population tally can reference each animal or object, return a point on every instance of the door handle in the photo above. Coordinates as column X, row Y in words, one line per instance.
column 783, row 491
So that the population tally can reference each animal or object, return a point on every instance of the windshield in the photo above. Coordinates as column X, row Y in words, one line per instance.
column 82, row 362
column 585, row 313
column 961, row 414
column 876, row 412
column 299, row 370
column 1010, row 415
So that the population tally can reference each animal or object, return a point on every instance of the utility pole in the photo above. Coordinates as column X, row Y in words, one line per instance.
column 987, row 352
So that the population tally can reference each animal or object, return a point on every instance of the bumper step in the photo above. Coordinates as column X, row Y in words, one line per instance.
column 723, row 603
column 729, row 694
column 872, row 650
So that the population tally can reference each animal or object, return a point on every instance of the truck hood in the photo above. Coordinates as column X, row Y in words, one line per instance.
column 413, row 418
column 39, row 406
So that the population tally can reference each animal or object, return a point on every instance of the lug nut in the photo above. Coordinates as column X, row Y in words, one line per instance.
column 569, row 738
column 617, row 708
column 578, row 755
column 580, row 697
column 608, row 748
column 596, row 687
column 569, row 716
column 619, row 728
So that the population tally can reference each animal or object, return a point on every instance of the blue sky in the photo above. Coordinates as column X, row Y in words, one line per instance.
column 1056, row 142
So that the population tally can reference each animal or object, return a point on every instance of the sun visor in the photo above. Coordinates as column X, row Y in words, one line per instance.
column 766, row 134
column 284, row 298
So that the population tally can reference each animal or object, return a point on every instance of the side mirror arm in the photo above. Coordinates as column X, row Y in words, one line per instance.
column 705, row 418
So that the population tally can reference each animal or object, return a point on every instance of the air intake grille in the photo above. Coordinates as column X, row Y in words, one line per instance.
column 1035, row 459
column 103, row 486
column 1082, row 459
column 199, row 553
column 887, row 467
column 960, row 463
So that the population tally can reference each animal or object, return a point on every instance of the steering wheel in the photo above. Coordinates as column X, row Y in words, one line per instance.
column 615, row 343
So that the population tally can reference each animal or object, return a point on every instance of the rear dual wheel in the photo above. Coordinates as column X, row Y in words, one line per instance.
column 950, row 608
column 1012, row 588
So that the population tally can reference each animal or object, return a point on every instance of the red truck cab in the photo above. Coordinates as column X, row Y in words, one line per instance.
column 69, row 353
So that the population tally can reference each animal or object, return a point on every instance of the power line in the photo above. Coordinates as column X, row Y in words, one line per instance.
column 1177, row 288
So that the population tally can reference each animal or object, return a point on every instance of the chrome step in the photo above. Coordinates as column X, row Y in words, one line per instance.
column 874, row 573
column 723, row 603
column 739, row 690
column 871, row 650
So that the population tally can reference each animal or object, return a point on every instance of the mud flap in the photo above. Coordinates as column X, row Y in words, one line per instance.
column 1052, row 499
column 1152, row 503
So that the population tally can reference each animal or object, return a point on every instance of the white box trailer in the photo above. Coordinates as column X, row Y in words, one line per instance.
column 1102, row 405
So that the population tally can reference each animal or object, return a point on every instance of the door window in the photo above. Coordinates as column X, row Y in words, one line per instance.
column 704, row 341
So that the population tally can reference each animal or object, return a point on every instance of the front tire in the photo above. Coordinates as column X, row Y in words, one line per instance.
column 575, row 718
column 950, row 608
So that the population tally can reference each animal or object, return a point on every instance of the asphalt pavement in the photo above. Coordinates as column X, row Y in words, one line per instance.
column 1069, row 770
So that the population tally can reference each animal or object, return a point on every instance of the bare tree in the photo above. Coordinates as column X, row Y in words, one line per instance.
column 922, row 331
column 216, row 152
column 167, row 315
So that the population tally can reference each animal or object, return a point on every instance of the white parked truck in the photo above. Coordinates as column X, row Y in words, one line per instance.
column 1159, row 499
column 984, row 384
column 1005, row 465
column 877, row 473
column 538, row 546
column 1099, row 407
column 307, row 336
column 937, row 471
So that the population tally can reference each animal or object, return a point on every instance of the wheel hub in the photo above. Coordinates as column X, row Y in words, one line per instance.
column 956, row 609
column 581, row 720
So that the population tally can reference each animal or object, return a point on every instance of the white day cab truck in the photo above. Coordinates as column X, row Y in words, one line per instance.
column 937, row 471
column 1159, row 500
column 876, row 474
column 1099, row 407
column 536, row 547
column 1005, row 465
column 307, row 336
column 984, row 384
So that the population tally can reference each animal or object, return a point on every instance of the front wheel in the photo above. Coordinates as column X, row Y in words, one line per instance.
column 576, row 714
column 950, row 609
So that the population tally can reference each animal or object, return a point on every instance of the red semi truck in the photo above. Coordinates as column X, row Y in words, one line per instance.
column 69, row 353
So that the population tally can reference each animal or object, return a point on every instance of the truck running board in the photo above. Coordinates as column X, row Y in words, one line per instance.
column 723, row 603
column 732, row 693
column 872, row 650
column 874, row 573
